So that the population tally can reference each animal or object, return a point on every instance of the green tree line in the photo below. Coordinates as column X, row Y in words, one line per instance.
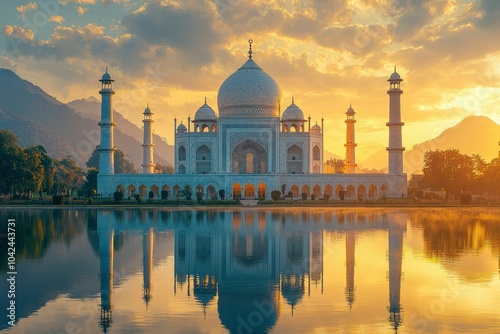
column 456, row 173
column 30, row 170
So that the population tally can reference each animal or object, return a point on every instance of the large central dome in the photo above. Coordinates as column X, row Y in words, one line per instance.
column 249, row 92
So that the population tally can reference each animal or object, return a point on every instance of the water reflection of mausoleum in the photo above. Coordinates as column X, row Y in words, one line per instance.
column 250, row 261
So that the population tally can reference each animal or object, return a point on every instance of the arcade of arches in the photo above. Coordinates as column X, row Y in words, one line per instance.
column 260, row 191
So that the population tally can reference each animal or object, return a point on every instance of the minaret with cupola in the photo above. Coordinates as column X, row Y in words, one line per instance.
column 147, row 162
column 350, row 144
column 395, row 125
column 107, row 145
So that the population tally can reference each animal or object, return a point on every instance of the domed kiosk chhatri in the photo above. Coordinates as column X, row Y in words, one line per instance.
column 251, row 147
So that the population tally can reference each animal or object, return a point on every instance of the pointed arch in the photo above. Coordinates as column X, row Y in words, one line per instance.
column 154, row 188
column 261, row 190
column 329, row 191
column 213, row 128
column 249, row 191
column 383, row 190
column 131, row 190
column 203, row 160
column 372, row 191
column 350, row 191
column 295, row 191
column 121, row 188
column 236, row 191
column 249, row 157
column 181, row 152
column 285, row 128
column 293, row 128
column 143, row 190
column 294, row 159
column 211, row 192
column 316, row 153
column 317, row 191
column 199, row 189
column 361, row 192
column 338, row 189
column 177, row 191
column 306, row 190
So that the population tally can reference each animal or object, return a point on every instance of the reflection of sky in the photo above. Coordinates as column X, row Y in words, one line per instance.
column 436, row 295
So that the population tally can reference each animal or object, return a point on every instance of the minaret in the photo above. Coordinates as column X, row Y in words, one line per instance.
column 350, row 144
column 106, row 258
column 147, row 162
column 350, row 241
column 395, row 148
column 147, row 264
column 107, row 146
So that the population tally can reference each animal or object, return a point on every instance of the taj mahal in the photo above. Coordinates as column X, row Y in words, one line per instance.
column 250, row 147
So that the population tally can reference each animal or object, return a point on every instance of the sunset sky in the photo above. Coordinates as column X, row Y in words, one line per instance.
column 326, row 53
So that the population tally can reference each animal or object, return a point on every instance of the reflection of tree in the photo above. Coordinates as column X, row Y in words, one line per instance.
column 37, row 230
column 449, row 234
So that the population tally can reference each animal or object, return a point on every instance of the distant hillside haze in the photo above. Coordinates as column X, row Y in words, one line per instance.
column 38, row 118
column 473, row 135
column 128, row 136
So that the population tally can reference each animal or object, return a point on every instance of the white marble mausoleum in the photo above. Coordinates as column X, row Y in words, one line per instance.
column 250, row 147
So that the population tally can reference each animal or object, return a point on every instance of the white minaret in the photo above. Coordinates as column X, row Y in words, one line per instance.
column 395, row 148
column 147, row 161
column 350, row 144
column 107, row 146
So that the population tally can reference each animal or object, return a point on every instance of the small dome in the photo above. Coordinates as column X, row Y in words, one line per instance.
column 293, row 113
column 106, row 76
column 205, row 113
column 181, row 128
column 147, row 111
column 350, row 111
column 316, row 128
column 395, row 76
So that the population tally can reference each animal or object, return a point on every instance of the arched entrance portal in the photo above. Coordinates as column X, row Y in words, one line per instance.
column 249, row 191
column 249, row 157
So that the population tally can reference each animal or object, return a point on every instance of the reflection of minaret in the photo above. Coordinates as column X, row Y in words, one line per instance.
column 106, row 257
column 147, row 264
column 350, row 241
column 395, row 264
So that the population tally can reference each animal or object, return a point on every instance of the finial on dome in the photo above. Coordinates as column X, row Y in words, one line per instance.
column 292, row 100
column 106, row 69
column 250, row 49
column 205, row 100
column 394, row 68
column 350, row 105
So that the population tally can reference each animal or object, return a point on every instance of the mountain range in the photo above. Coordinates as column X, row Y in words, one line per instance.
column 38, row 118
column 71, row 129
column 473, row 135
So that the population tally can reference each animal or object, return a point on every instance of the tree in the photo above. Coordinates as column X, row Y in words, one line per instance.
column 275, row 195
column 11, row 156
column 337, row 165
column 163, row 169
column 122, row 164
column 68, row 176
column 449, row 170
column 90, row 185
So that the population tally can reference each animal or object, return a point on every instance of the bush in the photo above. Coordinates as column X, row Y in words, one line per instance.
column 164, row 194
column 151, row 194
column 222, row 194
column 118, row 195
column 304, row 196
column 57, row 199
column 199, row 196
column 313, row 197
column 275, row 195
column 138, row 198
column 290, row 194
column 326, row 197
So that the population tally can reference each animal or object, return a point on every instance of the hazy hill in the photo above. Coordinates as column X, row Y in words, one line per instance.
column 131, row 142
column 38, row 118
column 473, row 135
